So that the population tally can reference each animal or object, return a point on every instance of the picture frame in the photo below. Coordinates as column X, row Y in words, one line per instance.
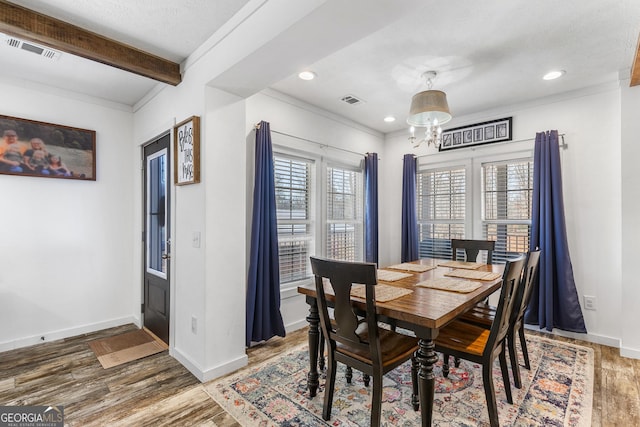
column 477, row 134
column 186, row 149
column 46, row 150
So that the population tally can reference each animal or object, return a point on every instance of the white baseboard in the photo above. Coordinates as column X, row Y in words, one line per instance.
column 47, row 336
column 632, row 353
column 204, row 375
column 296, row 325
column 594, row 338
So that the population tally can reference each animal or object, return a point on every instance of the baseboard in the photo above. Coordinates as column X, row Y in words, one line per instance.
column 631, row 353
column 593, row 338
column 296, row 325
column 66, row 333
column 204, row 375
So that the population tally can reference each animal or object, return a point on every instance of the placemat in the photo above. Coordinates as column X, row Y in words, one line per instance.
column 408, row 266
column 384, row 293
column 474, row 274
column 453, row 285
column 391, row 276
column 461, row 264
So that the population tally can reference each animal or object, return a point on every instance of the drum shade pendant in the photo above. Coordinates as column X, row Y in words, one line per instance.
column 429, row 109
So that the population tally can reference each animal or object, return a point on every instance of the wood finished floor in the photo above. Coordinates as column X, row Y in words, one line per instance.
column 158, row 391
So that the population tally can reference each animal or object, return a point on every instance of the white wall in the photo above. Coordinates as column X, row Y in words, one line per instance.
column 67, row 265
column 591, row 182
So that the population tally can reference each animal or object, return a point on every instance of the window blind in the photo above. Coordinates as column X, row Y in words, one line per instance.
column 344, row 223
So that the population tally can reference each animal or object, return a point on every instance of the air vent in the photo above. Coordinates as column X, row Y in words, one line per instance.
column 30, row 47
column 351, row 100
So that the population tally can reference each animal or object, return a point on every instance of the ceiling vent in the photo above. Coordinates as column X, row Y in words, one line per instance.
column 351, row 100
column 45, row 52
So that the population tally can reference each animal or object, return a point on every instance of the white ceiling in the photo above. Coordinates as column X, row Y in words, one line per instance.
column 487, row 54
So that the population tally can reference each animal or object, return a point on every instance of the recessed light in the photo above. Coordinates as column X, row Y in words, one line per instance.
column 307, row 75
column 389, row 119
column 552, row 75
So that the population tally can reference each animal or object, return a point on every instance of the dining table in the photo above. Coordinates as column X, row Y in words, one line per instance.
column 440, row 292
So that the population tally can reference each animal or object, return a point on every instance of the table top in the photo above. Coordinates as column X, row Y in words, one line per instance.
column 425, row 307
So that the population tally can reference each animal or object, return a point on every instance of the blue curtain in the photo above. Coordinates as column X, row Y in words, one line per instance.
column 554, row 301
column 263, row 284
column 371, row 207
column 409, row 221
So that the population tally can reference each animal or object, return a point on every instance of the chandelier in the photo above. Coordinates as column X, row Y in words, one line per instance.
column 429, row 110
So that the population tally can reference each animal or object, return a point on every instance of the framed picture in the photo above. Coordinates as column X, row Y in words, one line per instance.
column 186, row 148
column 46, row 150
column 477, row 134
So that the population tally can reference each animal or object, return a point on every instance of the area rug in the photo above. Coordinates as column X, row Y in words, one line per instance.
column 557, row 391
column 123, row 348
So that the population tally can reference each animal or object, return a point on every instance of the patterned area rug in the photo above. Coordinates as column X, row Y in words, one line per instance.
column 558, row 391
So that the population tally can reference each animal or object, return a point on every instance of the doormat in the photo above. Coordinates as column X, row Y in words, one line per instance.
column 119, row 349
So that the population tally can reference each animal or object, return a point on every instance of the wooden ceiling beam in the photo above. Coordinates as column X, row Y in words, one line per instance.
column 635, row 68
column 29, row 25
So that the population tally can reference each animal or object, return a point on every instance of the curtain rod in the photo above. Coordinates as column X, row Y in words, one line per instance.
column 322, row 145
column 564, row 145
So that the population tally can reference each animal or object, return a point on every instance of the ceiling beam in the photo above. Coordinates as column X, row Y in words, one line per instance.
column 635, row 68
column 29, row 25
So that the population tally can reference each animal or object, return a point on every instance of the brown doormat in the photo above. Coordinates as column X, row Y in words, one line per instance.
column 114, row 351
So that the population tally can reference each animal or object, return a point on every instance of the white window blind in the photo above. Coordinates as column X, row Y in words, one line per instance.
column 295, row 229
column 507, row 199
column 441, row 201
column 344, row 220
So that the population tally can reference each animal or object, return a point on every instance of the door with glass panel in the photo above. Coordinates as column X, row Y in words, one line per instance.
column 157, row 238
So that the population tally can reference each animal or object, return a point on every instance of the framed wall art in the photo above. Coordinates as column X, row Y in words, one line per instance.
column 186, row 148
column 477, row 134
column 46, row 150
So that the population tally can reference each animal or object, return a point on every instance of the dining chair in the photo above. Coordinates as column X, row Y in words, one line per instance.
column 353, row 336
column 472, row 248
column 480, row 345
column 484, row 314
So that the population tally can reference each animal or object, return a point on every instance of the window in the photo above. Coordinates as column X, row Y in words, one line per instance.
column 341, row 231
column 507, row 198
column 292, row 179
column 441, row 201
column 344, row 225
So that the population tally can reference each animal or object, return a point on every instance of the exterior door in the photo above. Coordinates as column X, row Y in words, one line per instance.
column 157, row 238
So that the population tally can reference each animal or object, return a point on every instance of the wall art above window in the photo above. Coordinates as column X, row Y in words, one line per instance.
column 30, row 148
column 477, row 134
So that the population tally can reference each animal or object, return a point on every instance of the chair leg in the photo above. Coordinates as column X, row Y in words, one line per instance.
column 376, row 400
column 415, row 398
column 489, row 392
column 456, row 362
column 505, row 375
column 349, row 374
column 445, row 365
column 366, row 379
column 321, row 352
column 513, row 356
column 329, row 388
column 523, row 345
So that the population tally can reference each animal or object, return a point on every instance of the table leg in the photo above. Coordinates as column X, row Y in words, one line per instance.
column 427, row 357
column 314, row 338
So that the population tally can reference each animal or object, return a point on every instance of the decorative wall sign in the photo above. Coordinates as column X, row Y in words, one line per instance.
column 30, row 148
column 186, row 146
column 477, row 134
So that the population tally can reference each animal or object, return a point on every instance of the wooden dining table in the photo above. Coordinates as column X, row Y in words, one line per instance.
column 424, row 311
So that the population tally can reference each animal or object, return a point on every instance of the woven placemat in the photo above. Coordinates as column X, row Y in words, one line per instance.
column 461, row 264
column 474, row 274
column 384, row 293
column 408, row 266
column 453, row 285
column 391, row 276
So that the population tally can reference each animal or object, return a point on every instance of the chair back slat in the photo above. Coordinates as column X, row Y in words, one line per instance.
column 472, row 248
column 529, row 275
column 510, row 284
column 348, row 324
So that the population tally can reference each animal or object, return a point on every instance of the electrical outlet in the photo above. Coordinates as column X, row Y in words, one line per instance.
column 589, row 302
column 194, row 324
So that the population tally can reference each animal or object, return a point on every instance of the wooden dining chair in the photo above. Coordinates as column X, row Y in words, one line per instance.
column 481, row 345
column 484, row 315
column 472, row 248
column 353, row 337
